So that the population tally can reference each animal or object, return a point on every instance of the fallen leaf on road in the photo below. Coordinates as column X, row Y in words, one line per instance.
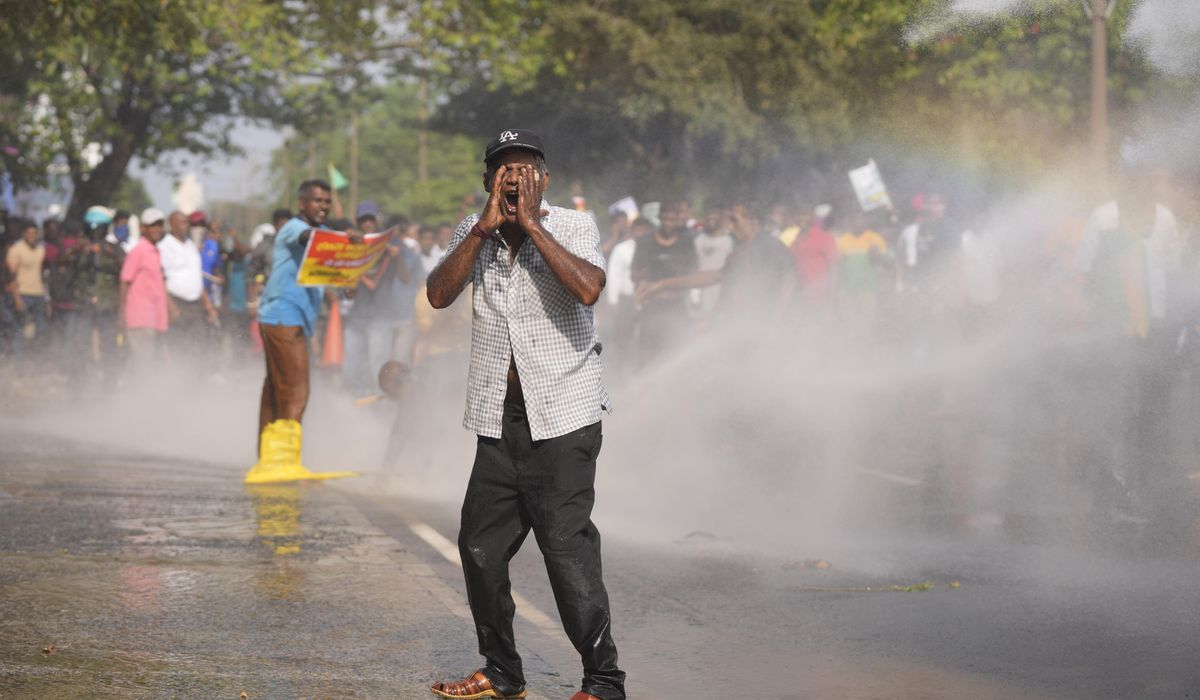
column 49, row 649
column 819, row 564
column 244, row 695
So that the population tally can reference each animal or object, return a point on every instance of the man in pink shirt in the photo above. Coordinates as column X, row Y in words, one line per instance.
column 143, row 291
column 815, row 252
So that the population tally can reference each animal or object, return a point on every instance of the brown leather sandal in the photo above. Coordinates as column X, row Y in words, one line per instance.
column 476, row 685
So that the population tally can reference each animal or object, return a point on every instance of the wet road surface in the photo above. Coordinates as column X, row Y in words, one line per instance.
column 133, row 576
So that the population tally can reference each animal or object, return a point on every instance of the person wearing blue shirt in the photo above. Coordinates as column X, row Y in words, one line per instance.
column 210, row 265
column 380, row 324
column 287, row 316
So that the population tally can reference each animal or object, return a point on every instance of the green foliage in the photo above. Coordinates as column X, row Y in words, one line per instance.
column 663, row 98
column 144, row 78
column 131, row 195
column 975, row 91
column 389, row 141
column 713, row 98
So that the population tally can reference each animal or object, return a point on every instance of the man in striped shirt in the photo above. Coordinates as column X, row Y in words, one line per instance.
column 534, row 400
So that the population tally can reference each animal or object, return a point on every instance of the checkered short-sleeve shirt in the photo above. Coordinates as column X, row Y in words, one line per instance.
column 522, row 311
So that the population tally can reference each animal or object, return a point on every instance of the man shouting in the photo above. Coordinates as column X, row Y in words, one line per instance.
column 534, row 400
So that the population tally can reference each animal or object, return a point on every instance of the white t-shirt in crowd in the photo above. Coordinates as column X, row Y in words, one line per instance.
column 1162, row 249
column 181, row 267
column 428, row 262
column 981, row 267
column 619, row 281
column 711, row 252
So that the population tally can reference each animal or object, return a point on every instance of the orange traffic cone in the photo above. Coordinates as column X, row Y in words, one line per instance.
column 256, row 346
column 332, row 349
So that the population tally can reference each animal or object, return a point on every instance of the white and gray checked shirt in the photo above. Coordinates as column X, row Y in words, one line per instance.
column 522, row 311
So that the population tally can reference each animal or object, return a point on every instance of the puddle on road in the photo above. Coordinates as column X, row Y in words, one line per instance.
column 192, row 596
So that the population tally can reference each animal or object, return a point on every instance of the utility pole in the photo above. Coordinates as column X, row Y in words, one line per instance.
column 287, row 171
column 353, row 161
column 1099, row 12
column 423, row 134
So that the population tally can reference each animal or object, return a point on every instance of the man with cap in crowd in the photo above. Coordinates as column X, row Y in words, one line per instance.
column 189, row 308
column 97, row 292
column 144, row 292
column 287, row 318
column 263, row 251
column 210, row 256
column 122, row 232
column 534, row 400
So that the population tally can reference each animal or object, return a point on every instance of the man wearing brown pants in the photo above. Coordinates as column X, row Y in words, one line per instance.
column 287, row 316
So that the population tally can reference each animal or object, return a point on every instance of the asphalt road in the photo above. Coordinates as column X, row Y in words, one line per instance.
column 126, row 575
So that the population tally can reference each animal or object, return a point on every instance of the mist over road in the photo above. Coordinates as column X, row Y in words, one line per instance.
column 134, row 575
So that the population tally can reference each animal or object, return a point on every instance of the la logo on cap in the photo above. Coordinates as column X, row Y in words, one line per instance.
column 508, row 136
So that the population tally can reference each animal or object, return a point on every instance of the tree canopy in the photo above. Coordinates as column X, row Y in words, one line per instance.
column 141, row 79
column 706, row 98
column 666, row 95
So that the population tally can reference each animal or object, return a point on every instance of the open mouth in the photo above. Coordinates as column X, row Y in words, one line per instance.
column 510, row 202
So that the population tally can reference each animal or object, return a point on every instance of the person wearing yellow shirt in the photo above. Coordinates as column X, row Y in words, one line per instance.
column 863, row 256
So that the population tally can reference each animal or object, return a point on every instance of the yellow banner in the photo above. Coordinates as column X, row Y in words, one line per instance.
column 331, row 260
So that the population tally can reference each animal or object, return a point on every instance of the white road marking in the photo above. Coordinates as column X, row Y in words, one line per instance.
column 888, row 476
column 449, row 551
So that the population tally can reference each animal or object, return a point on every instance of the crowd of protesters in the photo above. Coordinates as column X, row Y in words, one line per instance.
column 93, row 298
column 1064, row 330
column 96, row 297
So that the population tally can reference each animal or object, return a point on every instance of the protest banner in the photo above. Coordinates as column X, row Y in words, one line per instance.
column 869, row 188
column 627, row 206
column 330, row 259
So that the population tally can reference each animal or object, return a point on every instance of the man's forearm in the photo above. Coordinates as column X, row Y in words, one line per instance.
column 702, row 278
column 451, row 275
column 582, row 279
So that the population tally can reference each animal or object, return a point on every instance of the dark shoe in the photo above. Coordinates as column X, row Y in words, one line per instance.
column 476, row 685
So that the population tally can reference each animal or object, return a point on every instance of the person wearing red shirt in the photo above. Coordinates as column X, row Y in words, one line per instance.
column 815, row 253
column 143, row 290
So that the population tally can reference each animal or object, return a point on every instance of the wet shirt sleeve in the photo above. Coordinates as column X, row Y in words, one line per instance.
column 582, row 240
column 460, row 234
column 290, row 234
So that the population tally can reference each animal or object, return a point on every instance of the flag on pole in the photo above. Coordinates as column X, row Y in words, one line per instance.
column 336, row 178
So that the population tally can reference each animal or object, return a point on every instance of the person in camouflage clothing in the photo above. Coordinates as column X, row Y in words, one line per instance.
column 97, row 288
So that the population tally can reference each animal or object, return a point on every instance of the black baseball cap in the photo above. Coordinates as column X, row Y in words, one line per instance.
column 513, row 138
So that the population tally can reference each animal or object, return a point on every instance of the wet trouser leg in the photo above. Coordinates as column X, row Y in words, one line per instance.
column 516, row 485
column 285, row 388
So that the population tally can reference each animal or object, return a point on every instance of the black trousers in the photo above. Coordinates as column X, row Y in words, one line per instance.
column 519, row 484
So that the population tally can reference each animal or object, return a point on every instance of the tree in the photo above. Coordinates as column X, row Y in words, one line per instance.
column 717, row 98
column 130, row 195
column 389, row 133
column 140, row 79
